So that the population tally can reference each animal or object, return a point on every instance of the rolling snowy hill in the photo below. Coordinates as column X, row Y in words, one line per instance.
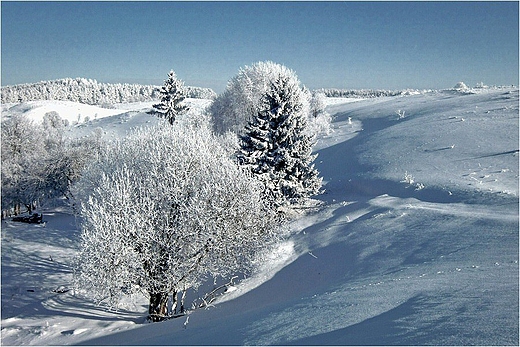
column 416, row 242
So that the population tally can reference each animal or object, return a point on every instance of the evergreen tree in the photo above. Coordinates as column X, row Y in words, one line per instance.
column 242, row 99
column 277, row 148
column 172, row 96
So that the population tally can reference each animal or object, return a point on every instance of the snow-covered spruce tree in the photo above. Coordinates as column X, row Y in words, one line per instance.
column 161, row 210
column 277, row 148
column 172, row 96
column 242, row 99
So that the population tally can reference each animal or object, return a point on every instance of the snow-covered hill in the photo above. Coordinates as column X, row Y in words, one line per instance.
column 416, row 243
column 83, row 118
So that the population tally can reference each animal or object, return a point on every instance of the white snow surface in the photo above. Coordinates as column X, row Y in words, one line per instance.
column 415, row 243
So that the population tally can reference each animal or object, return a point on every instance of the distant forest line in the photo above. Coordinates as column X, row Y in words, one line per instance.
column 92, row 92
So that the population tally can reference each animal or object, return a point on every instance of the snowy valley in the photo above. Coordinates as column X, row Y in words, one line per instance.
column 415, row 242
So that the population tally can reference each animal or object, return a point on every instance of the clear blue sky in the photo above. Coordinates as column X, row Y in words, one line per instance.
column 388, row 45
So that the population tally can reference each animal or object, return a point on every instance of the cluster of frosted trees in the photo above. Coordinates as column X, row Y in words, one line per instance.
column 360, row 93
column 90, row 92
column 189, row 200
column 39, row 163
column 276, row 119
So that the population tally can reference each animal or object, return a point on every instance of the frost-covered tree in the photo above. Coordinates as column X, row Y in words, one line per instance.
column 319, row 119
column 23, row 154
column 172, row 98
column 161, row 210
column 317, row 104
column 54, row 127
column 461, row 86
column 65, row 166
column 277, row 147
column 38, row 163
column 242, row 99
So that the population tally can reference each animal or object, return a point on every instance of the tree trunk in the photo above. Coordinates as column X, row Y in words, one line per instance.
column 182, row 300
column 29, row 207
column 174, row 303
column 158, row 308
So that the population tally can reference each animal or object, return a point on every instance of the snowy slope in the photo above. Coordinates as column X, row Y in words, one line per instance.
column 115, row 122
column 416, row 243
column 73, row 112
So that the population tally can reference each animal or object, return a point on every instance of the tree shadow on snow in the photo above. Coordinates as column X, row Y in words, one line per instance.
column 37, row 273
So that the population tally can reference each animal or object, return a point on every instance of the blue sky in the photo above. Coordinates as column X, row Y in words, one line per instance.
column 387, row 45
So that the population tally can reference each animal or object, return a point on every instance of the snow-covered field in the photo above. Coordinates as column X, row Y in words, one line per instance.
column 416, row 242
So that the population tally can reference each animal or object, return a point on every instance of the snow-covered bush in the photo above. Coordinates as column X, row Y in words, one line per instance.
column 400, row 114
column 172, row 96
column 461, row 86
column 410, row 180
column 319, row 122
column 277, row 146
column 242, row 98
column 321, row 125
column 162, row 209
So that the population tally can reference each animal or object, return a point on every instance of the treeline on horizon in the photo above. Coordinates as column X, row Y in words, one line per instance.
column 363, row 93
column 91, row 92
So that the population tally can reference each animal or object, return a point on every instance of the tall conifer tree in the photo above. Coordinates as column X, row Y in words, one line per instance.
column 276, row 146
column 171, row 103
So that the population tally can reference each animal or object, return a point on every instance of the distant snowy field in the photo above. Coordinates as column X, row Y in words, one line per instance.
column 416, row 241
column 115, row 122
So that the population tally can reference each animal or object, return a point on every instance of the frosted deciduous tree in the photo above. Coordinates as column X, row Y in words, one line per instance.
column 277, row 148
column 172, row 97
column 54, row 127
column 38, row 163
column 242, row 99
column 23, row 153
column 65, row 166
column 319, row 119
column 162, row 209
column 461, row 86
column 317, row 104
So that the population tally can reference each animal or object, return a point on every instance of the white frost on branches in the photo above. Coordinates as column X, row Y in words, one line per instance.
column 91, row 92
column 39, row 163
column 242, row 98
column 163, row 208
